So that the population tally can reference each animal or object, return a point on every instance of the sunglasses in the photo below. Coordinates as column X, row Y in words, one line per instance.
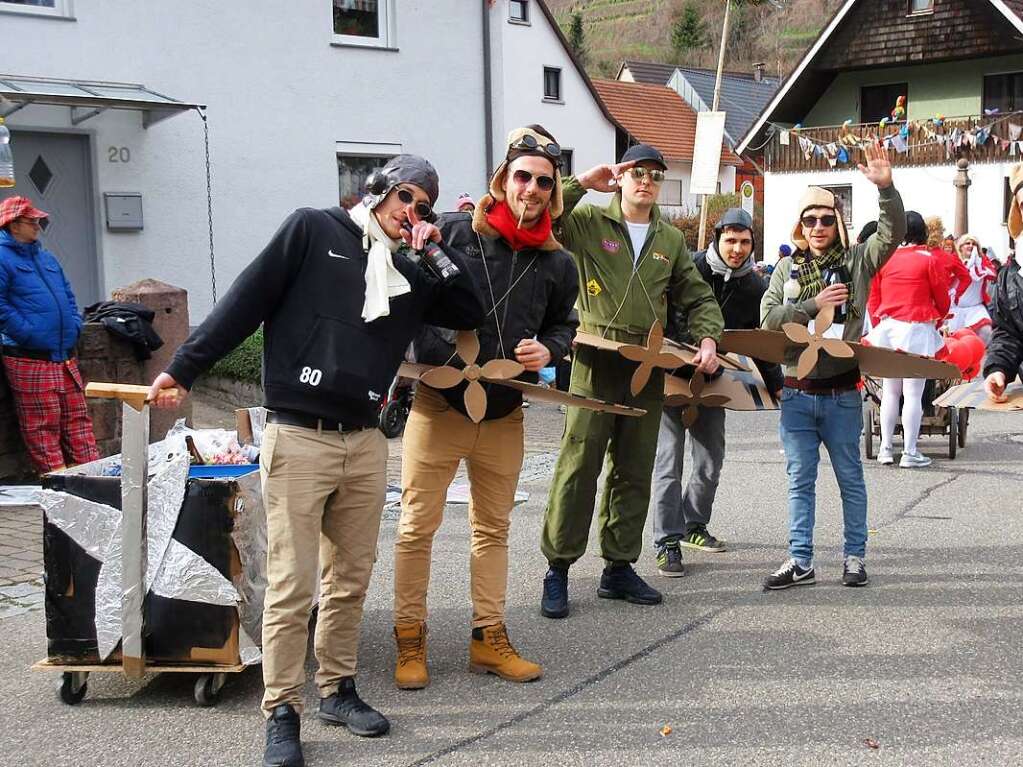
column 422, row 209
column 523, row 177
column 29, row 221
column 529, row 141
column 811, row 221
column 655, row 175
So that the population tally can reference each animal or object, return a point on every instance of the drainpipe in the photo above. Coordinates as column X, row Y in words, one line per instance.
column 488, row 107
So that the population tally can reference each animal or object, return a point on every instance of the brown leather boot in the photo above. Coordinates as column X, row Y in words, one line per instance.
column 491, row 652
column 410, row 672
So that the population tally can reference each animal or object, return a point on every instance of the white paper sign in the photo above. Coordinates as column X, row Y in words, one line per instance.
column 710, row 131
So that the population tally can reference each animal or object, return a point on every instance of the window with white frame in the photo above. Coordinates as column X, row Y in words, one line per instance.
column 369, row 23
column 56, row 8
column 567, row 161
column 671, row 192
column 551, row 84
column 921, row 6
column 518, row 11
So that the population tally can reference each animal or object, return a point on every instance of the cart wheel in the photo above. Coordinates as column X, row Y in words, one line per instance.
column 953, row 431
column 73, row 686
column 964, row 421
column 868, row 434
column 392, row 418
column 207, row 689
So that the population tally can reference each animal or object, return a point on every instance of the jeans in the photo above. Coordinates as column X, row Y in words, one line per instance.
column 807, row 420
column 677, row 513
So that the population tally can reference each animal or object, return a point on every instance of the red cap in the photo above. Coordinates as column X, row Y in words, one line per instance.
column 19, row 207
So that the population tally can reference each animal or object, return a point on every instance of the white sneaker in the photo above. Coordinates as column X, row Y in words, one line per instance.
column 885, row 457
column 914, row 460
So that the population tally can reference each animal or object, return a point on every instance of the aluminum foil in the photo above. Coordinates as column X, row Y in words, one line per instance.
column 257, row 422
column 185, row 575
column 249, row 536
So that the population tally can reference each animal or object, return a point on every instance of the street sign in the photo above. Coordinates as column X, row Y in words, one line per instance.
column 710, row 131
column 746, row 196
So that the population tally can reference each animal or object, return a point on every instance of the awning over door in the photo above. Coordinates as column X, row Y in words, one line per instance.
column 87, row 99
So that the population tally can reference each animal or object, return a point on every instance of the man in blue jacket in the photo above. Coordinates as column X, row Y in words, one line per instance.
column 39, row 327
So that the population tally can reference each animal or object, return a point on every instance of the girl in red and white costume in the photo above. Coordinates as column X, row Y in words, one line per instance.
column 908, row 298
column 970, row 310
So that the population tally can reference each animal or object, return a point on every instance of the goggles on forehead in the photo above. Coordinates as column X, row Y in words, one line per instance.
column 531, row 141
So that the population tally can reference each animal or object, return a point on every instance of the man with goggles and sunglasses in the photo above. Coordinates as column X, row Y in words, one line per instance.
column 631, row 263
column 529, row 284
column 825, row 405
column 340, row 297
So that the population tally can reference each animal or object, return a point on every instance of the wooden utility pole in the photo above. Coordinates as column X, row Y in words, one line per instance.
column 714, row 108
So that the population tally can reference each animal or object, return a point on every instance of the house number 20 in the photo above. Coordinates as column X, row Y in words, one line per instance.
column 118, row 154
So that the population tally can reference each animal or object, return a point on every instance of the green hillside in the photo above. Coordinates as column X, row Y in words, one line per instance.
column 775, row 33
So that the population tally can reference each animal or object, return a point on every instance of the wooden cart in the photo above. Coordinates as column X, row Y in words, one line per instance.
column 950, row 423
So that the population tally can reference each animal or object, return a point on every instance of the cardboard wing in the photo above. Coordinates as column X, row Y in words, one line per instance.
column 972, row 395
column 534, row 392
column 773, row 346
column 744, row 389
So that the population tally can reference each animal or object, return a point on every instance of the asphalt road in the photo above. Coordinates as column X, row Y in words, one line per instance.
column 925, row 662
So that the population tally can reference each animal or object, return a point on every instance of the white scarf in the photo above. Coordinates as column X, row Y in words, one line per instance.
column 383, row 280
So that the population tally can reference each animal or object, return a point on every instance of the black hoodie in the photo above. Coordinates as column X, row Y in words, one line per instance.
column 307, row 288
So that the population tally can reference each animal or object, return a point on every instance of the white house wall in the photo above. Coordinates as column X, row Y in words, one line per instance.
column 683, row 171
column 520, row 54
column 927, row 190
column 280, row 98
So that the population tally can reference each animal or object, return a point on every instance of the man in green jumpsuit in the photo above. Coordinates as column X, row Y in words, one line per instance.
column 631, row 264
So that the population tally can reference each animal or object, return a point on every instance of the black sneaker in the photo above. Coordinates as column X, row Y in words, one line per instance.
column 854, row 573
column 789, row 574
column 620, row 581
column 283, row 745
column 554, row 603
column 669, row 560
column 347, row 708
column 700, row 539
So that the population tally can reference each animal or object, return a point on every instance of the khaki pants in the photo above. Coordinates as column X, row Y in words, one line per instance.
column 324, row 494
column 437, row 438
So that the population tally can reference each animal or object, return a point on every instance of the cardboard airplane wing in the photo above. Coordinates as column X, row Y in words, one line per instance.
column 500, row 372
column 734, row 390
column 972, row 395
column 773, row 345
column 658, row 352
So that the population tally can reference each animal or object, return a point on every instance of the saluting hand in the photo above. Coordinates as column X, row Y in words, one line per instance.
column 603, row 178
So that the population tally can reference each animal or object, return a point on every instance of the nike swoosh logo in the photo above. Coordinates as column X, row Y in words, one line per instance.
column 798, row 577
column 332, row 254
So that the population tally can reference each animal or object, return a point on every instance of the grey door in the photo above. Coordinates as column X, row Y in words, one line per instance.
column 53, row 170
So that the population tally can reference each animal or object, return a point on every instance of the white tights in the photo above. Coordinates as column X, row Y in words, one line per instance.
column 912, row 392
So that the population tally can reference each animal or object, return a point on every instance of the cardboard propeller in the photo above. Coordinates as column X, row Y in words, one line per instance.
column 658, row 352
column 816, row 341
column 777, row 346
column 467, row 346
column 501, row 373
column 696, row 398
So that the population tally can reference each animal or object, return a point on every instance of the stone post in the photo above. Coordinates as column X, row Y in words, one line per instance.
column 962, row 184
column 170, row 304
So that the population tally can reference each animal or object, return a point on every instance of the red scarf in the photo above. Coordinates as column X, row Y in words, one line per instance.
column 501, row 218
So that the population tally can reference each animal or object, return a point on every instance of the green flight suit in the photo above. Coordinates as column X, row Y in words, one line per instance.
column 622, row 306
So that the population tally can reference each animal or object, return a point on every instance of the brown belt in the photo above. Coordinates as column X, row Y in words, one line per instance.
column 834, row 385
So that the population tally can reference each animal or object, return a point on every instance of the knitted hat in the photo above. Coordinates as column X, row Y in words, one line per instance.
column 519, row 141
column 816, row 197
column 1015, row 216
column 464, row 199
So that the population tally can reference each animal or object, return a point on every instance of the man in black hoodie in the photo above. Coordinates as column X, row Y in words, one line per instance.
column 340, row 296
column 681, row 518
column 530, row 285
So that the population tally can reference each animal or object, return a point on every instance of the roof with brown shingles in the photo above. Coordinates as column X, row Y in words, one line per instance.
column 656, row 115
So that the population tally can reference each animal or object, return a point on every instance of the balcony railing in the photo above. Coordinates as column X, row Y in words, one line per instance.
column 927, row 143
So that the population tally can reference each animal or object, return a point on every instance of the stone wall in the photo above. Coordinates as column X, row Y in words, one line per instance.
column 101, row 357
